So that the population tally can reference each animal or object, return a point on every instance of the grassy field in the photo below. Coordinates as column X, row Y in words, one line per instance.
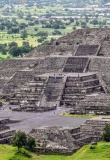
column 101, row 152
column 82, row 116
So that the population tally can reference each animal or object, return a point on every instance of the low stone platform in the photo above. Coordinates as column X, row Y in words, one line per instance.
column 69, row 139
column 6, row 134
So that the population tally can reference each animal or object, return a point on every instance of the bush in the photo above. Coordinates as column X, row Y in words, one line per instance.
column 106, row 134
column 56, row 32
column 92, row 146
column 21, row 140
column 42, row 34
column 31, row 144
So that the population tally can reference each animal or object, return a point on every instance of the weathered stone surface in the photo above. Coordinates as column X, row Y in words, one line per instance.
column 6, row 134
column 68, row 140
column 80, row 53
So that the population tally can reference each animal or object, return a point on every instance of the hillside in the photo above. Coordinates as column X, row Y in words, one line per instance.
column 101, row 151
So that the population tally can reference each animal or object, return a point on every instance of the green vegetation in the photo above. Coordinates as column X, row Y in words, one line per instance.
column 11, row 153
column 106, row 134
column 77, row 3
column 100, row 152
column 38, row 22
column 79, row 116
column 22, row 140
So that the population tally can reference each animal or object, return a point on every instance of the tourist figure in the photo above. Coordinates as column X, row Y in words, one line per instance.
column 55, row 77
column 56, row 106
column 10, row 108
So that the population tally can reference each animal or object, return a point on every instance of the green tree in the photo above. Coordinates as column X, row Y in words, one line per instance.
column 74, row 28
column 15, row 30
column 15, row 51
column 26, row 47
column 12, row 44
column 83, row 24
column 56, row 32
column 31, row 143
column 94, row 22
column 77, row 23
column 71, row 20
column 20, row 140
column 106, row 134
column 42, row 33
column 3, row 48
column 24, row 34
column 20, row 15
column 35, row 29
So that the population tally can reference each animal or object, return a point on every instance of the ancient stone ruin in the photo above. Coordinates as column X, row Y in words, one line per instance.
column 68, row 140
column 6, row 134
column 72, row 72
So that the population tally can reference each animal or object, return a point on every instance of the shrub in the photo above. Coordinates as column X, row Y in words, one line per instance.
column 92, row 146
column 21, row 140
column 106, row 134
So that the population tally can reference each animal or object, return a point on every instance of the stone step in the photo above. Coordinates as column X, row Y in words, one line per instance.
column 71, row 84
column 69, row 99
column 28, row 97
column 70, row 103
column 94, row 105
column 86, row 83
column 82, row 141
column 90, row 89
column 74, row 130
column 6, row 133
column 69, row 68
column 72, row 97
column 82, row 78
column 4, row 121
column 91, row 83
column 3, row 127
column 6, row 140
column 82, row 88
column 77, row 135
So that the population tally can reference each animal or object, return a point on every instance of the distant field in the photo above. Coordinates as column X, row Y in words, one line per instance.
column 46, row 12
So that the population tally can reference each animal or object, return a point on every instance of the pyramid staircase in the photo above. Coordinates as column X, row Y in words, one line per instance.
column 29, row 96
column 76, row 89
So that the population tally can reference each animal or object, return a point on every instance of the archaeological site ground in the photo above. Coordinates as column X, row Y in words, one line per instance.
column 70, row 75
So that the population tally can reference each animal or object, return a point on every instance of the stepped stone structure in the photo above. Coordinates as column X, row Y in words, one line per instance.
column 72, row 72
column 6, row 134
column 90, row 50
column 68, row 140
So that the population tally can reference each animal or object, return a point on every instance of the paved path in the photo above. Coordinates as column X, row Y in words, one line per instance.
column 26, row 121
